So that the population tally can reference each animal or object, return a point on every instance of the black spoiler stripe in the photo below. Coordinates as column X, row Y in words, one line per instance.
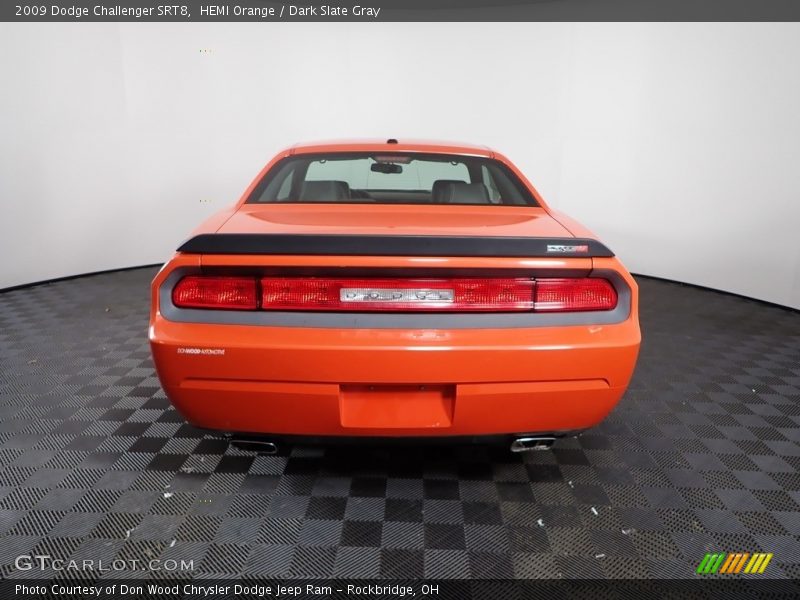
column 392, row 245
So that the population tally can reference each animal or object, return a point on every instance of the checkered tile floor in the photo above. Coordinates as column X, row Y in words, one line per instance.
column 702, row 455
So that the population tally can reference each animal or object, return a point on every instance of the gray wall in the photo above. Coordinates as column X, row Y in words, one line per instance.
column 679, row 144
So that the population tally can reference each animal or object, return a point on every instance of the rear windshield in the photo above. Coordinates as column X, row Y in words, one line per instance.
column 391, row 178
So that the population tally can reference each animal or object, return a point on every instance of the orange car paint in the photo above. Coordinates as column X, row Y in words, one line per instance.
column 344, row 381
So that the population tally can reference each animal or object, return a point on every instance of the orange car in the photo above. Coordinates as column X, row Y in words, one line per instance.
column 389, row 289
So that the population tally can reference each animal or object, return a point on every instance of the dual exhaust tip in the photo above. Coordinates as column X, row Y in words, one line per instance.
column 522, row 444
column 526, row 444
column 257, row 446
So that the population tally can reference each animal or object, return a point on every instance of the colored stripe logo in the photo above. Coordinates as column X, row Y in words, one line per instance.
column 731, row 563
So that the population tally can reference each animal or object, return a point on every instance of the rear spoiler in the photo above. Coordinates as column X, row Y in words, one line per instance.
column 392, row 245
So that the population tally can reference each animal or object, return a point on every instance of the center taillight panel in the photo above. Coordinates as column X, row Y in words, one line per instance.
column 395, row 294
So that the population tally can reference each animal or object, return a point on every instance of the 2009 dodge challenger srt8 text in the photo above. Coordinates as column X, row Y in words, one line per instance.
column 390, row 289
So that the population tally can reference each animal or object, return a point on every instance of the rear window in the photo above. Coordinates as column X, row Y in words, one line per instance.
column 391, row 178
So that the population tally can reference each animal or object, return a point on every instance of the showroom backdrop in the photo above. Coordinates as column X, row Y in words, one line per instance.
column 679, row 144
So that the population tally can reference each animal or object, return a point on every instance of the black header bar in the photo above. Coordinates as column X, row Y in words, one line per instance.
column 401, row 10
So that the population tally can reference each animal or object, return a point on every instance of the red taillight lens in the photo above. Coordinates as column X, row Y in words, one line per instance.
column 237, row 293
column 568, row 295
column 395, row 294
column 401, row 295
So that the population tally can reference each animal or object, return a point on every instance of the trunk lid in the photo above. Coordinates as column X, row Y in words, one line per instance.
column 383, row 219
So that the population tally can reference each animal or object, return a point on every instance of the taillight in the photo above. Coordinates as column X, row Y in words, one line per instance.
column 237, row 293
column 442, row 295
column 395, row 294
column 569, row 295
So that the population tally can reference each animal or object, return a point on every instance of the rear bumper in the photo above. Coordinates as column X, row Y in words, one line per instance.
column 323, row 382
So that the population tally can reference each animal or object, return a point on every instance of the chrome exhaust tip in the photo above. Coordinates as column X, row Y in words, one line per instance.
column 524, row 444
column 256, row 446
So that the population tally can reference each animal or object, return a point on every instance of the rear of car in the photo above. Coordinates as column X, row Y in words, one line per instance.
column 390, row 290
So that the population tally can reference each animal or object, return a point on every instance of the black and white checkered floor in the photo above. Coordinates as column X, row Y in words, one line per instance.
column 701, row 455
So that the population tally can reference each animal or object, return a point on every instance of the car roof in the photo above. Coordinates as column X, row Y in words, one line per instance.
column 391, row 145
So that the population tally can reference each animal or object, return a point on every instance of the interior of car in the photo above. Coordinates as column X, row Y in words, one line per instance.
column 444, row 191
column 400, row 179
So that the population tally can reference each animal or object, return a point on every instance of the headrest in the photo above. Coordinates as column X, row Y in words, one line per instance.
column 325, row 191
column 459, row 192
column 439, row 189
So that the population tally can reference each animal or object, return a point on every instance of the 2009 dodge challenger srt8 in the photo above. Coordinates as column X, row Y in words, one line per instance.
column 389, row 289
